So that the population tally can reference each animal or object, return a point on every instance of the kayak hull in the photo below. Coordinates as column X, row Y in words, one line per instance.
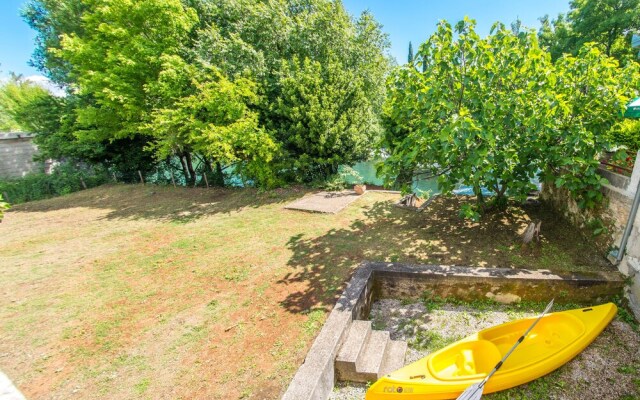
column 446, row 373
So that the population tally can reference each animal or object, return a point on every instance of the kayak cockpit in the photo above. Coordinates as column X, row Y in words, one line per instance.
column 554, row 332
column 474, row 359
column 465, row 360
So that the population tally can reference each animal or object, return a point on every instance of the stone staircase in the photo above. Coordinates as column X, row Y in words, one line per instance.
column 366, row 354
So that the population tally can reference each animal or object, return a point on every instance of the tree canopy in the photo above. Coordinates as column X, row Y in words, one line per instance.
column 17, row 97
column 179, row 73
column 609, row 23
column 492, row 113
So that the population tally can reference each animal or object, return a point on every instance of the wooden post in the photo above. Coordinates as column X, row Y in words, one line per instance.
column 172, row 178
column 141, row 178
column 206, row 180
column 114, row 177
column 84, row 185
column 195, row 179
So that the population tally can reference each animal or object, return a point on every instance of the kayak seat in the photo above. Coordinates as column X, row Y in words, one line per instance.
column 465, row 360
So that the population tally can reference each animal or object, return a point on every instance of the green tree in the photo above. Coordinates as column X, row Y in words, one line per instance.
column 491, row 113
column 16, row 96
column 111, row 68
column 321, row 37
column 556, row 35
column 325, row 115
column 51, row 20
column 609, row 23
column 410, row 56
column 590, row 92
column 113, row 63
column 125, row 74
column 210, row 115
column 399, row 121
column 606, row 22
column 52, row 120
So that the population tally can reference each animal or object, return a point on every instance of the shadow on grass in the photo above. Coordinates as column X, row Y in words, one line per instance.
column 163, row 203
column 436, row 236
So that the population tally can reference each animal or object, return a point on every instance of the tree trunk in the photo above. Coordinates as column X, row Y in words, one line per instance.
column 219, row 177
column 185, row 172
column 405, row 177
column 502, row 201
column 611, row 37
column 479, row 196
column 192, row 172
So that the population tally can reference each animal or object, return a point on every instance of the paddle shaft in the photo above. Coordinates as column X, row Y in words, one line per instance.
column 499, row 364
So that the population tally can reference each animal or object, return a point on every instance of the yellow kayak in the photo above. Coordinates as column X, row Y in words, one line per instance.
column 446, row 373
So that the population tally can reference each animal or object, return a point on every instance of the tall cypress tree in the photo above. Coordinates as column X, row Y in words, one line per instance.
column 410, row 58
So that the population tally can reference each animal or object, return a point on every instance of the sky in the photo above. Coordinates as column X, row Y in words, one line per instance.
column 416, row 20
column 403, row 20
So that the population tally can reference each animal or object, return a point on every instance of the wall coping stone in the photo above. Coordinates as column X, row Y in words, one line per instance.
column 16, row 135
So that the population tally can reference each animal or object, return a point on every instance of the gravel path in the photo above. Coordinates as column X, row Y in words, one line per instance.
column 608, row 369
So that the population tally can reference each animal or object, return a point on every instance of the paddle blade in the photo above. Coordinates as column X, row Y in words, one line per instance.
column 473, row 392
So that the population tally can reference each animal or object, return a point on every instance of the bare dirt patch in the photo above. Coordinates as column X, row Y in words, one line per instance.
column 125, row 292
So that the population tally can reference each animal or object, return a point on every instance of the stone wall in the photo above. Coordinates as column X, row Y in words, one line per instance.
column 614, row 212
column 16, row 155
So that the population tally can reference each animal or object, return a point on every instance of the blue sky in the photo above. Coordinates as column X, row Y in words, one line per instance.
column 16, row 40
column 415, row 20
column 403, row 20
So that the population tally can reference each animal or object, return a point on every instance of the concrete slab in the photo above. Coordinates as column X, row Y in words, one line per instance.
column 324, row 202
column 7, row 390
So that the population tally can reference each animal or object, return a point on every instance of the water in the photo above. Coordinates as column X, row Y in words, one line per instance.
column 367, row 171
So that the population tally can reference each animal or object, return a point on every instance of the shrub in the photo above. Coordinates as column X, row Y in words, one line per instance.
column 626, row 133
column 65, row 179
column 3, row 206
column 345, row 177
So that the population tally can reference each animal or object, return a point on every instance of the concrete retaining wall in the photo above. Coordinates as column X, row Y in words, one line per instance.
column 16, row 155
column 398, row 281
column 316, row 376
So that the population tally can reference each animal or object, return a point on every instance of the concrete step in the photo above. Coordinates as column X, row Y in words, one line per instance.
column 374, row 352
column 352, row 350
column 366, row 355
column 396, row 352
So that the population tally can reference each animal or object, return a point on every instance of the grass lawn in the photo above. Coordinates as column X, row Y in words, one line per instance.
column 124, row 292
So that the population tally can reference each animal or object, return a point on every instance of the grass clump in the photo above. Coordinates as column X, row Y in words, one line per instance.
column 313, row 322
column 428, row 340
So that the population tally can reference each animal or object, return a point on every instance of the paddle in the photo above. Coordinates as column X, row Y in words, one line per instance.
column 474, row 392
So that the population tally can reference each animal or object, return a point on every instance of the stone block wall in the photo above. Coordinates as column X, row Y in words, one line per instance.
column 614, row 212
column 16, row 155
